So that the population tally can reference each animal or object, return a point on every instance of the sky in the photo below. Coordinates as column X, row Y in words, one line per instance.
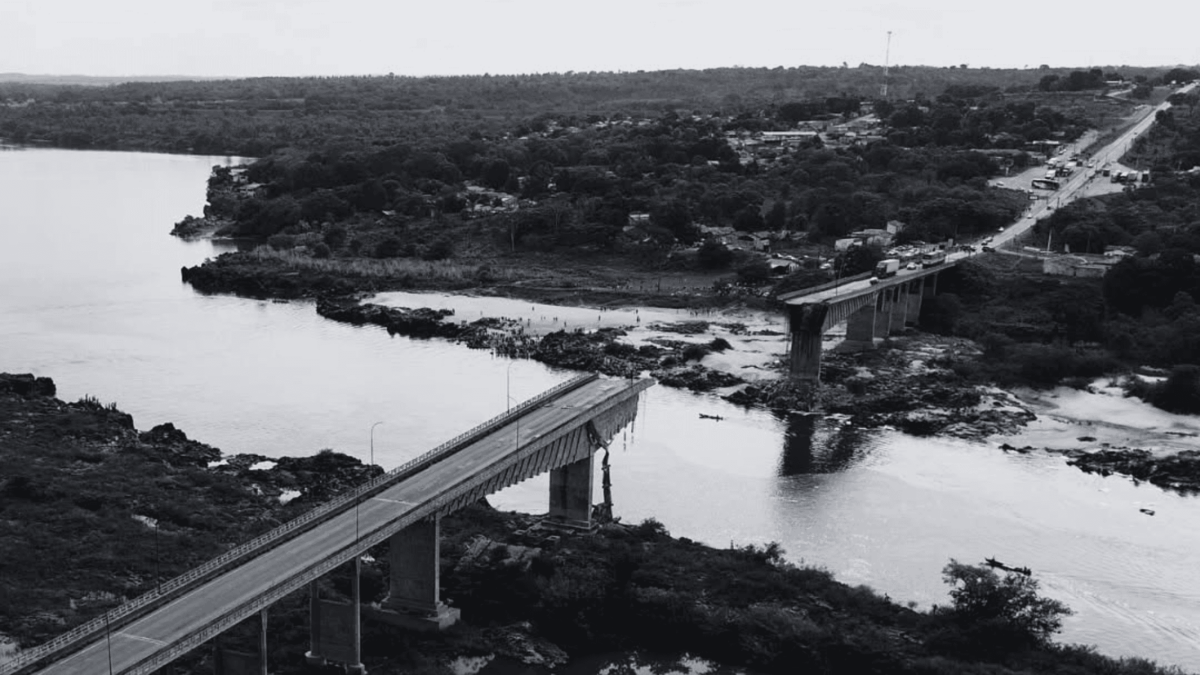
column 247, row 38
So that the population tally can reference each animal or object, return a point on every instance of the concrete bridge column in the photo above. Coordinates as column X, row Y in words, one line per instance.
column 230, row 662
column 883, row 312
column 805, row 328
column 929, row 288
column 571, row 494
column 413, row 599
column 916, row 292
column 313, row 656
column 805, row 356
column 860, row 329
column 899, row 308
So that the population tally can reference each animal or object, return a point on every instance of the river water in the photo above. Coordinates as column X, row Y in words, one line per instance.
column 90, row 295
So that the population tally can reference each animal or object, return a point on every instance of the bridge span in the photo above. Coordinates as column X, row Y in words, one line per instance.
column 869, row 310
column 556, row 432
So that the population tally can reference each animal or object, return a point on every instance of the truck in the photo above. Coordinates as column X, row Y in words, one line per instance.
column 886, row 268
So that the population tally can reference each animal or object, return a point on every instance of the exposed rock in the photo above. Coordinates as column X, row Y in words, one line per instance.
column 518, row 642
column 26, row 385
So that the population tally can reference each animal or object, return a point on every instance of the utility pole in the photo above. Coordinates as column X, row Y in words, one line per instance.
column 887, row 53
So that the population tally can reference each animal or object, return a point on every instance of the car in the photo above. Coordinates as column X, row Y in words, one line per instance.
column 874, row 280
column 912, row 266
column 988, row 249
column 1000, row 229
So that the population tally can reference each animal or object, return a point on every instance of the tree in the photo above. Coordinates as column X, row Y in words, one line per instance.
column 858, row 259
column 495, row 174
column 1008, row 607
column 754, row 273
column 714, row 255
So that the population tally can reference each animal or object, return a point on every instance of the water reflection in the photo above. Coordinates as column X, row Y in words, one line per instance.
column 814, row 444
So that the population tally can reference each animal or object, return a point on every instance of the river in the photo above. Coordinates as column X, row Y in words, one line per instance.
column 90, row 295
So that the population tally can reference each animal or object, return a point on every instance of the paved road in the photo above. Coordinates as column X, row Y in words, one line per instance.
column 208, row 602
column 1074, row 186
column 1069, row 190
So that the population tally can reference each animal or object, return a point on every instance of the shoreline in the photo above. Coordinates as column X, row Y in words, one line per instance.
column 909, row 383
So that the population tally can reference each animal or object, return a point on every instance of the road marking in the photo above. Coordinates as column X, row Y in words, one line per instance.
column 157, row 643
column 394, row 501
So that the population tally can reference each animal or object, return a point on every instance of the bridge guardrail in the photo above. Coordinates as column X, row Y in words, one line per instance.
column 180, row 583
column 784, row 297
column 318, row 569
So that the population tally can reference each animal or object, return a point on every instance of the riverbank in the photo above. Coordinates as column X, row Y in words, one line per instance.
column 102, row 491
column 909, row 384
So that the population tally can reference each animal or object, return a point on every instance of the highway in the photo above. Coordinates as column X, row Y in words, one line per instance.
column 1064, row 194
column 1071, row 188
column 207, row 603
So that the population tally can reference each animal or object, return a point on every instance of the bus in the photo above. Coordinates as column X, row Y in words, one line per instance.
column 933, row 258
column 1045, row 184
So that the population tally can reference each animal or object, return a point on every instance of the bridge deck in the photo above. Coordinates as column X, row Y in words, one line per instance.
column 855, row 289
column 209, row 602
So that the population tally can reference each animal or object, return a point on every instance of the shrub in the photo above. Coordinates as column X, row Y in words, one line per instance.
column 714, row 255
column 321, row 250
column 1008, row 607
column 281, row 242
column 1180, row 392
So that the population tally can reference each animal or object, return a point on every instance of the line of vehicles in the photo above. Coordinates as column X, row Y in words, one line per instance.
column 890, row 266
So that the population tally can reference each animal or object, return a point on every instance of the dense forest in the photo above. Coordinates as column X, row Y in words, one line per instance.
column 251, row 117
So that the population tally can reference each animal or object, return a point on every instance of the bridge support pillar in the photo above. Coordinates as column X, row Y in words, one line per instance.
column 571, row 494
column 883, row 312
column 262, row 640
column 806, row 325
column 916, row 292
column 805, row 353
column 929, row 287
column 860, row 329
column 413, row 595
column 313, row 655
column 899, row 309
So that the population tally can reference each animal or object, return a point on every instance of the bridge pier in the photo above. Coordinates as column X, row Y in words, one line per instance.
column 899, row 314
column 571, row 494
column 805, row 328
column 915, row 293
column 860, row 329
column 413, row 599
column 883, row 312
column 231, row 662
column 313, row 656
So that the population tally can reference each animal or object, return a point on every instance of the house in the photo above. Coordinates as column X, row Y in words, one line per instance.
column 751, row 242
column 874, row 237
column 781, row 265
column 639, row 219
column 721, row 235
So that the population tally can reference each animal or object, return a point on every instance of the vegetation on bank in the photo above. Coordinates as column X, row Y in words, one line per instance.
column 255, row 116
column 87, row 484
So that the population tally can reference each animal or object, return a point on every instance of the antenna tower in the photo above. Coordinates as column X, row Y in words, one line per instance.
column 886, row 55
